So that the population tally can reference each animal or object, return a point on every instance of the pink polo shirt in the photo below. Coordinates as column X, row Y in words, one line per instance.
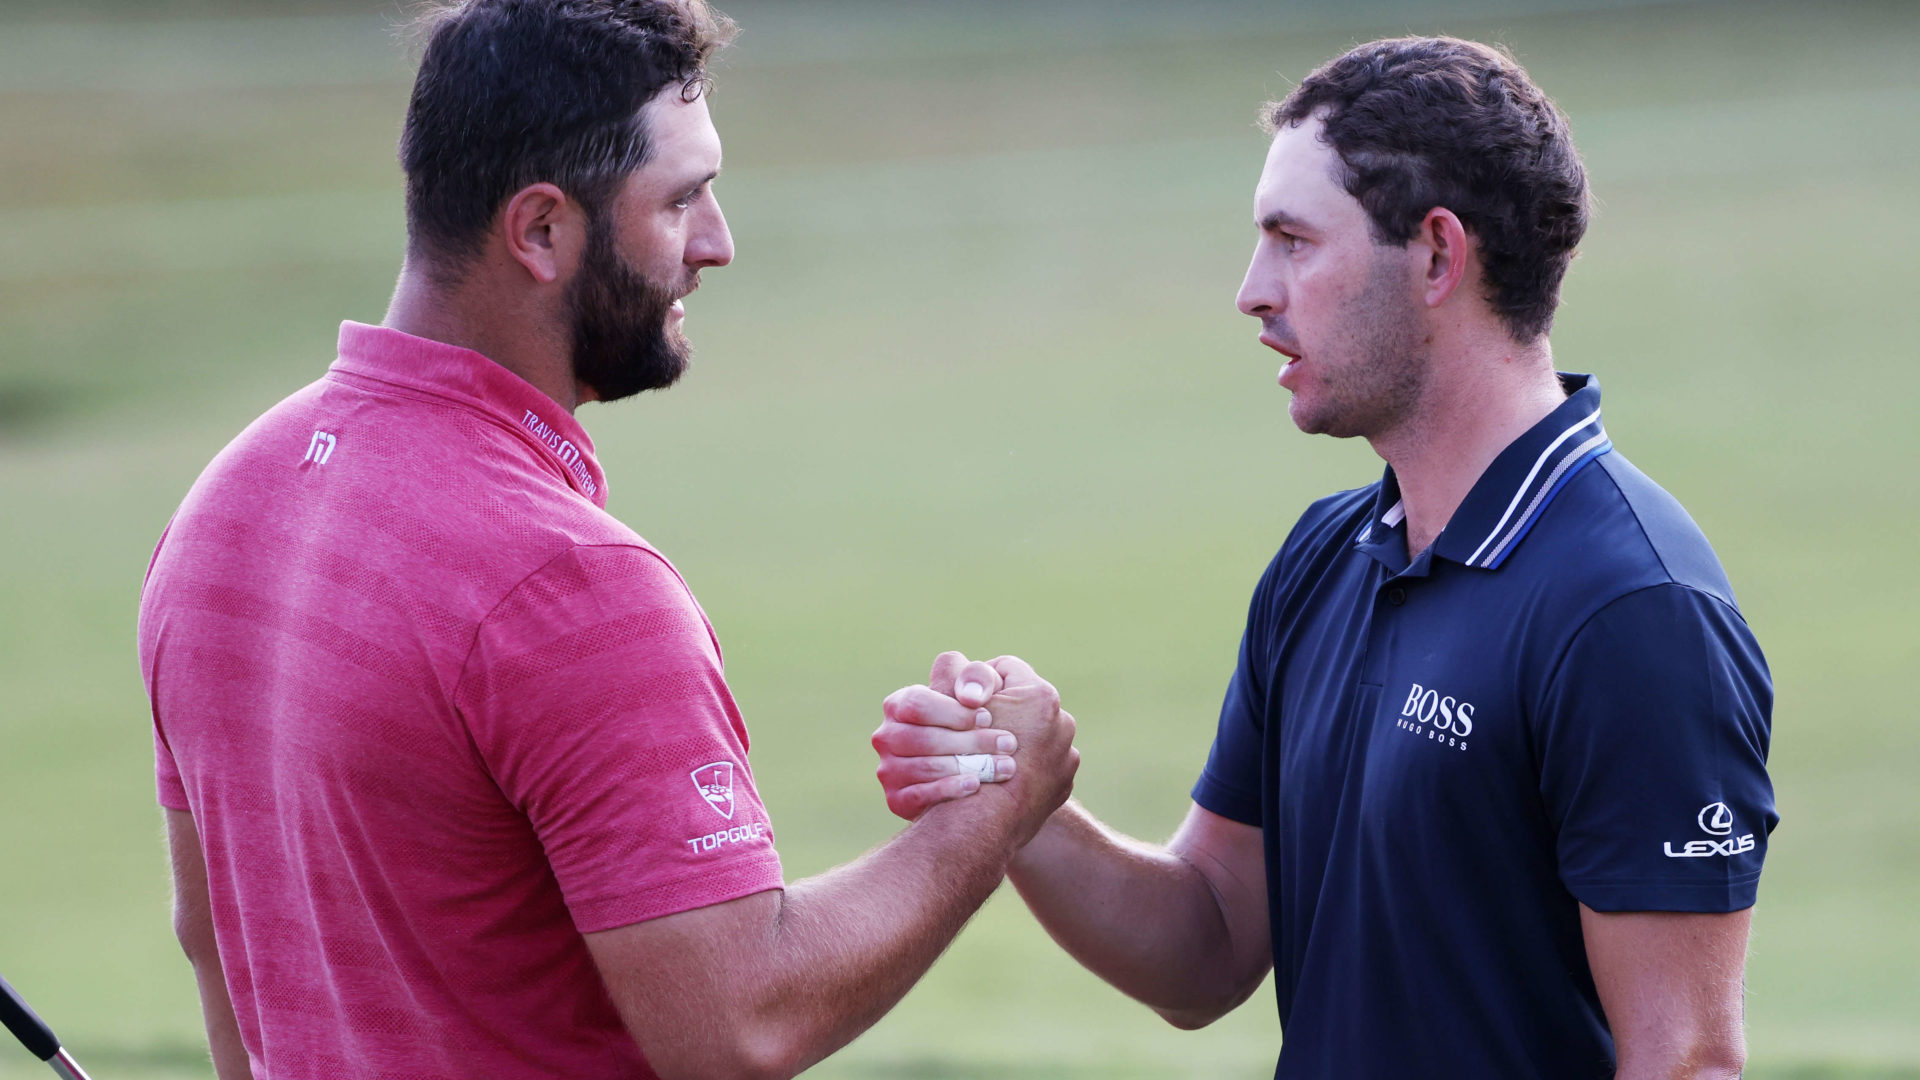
column 435, row 714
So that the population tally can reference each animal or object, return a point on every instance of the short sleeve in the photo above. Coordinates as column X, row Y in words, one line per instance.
column 595, row 698
column 171, row 790
column 1229, row 784
column 1653, row 736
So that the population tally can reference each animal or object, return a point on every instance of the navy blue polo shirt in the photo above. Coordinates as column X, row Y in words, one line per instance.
column 1557, row 703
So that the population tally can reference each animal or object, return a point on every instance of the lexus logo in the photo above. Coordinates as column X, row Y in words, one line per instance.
column 1716, row 819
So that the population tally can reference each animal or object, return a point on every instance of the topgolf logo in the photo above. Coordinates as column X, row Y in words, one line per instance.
column 715, row 783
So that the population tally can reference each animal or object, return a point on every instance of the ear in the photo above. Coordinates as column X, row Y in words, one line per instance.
column 1444, row 240
column 544, row 231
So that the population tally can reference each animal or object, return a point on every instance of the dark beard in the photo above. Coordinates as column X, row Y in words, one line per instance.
column 621, row 342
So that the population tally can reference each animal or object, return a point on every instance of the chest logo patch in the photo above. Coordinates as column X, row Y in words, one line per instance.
column 320, row 448
column 1439, row 718
column 715, row 783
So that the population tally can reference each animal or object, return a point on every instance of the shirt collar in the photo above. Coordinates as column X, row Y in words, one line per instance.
column 1510, row 495
column 464, row 376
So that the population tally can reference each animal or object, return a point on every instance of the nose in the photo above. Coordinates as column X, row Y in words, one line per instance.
column 712, row 242
column 1261, row 292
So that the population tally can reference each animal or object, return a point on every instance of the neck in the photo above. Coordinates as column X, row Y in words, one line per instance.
column 1476, row 405
column 502, row 328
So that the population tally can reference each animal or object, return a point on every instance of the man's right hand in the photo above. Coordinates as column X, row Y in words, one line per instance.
column 917, row 757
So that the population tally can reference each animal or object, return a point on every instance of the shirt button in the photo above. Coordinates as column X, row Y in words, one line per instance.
column 1396, row 596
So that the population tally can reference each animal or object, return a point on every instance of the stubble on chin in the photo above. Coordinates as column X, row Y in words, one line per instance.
column 1371, row 377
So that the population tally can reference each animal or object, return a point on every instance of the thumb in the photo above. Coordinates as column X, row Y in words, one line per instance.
column 976, row 682
column 1014, row 671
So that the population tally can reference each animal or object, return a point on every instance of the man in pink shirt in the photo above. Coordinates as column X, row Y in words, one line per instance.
column 454, row 783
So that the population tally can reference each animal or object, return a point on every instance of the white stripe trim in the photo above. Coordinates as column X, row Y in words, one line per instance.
column 1559, row 470
column 1528, row 483
column 1395, row 514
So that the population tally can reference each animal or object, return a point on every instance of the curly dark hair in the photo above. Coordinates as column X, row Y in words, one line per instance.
column 514, row 92
column 1425, row 122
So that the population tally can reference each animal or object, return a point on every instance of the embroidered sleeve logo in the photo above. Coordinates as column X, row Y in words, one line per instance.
column 715, row 782
column 1715, row 819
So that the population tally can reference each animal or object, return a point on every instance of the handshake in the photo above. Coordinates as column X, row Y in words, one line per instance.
column 963, row 728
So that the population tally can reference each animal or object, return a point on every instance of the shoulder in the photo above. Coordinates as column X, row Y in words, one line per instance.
column 1615, row 532
column 608, row 612
column 1635, row 575
column 1670, row 534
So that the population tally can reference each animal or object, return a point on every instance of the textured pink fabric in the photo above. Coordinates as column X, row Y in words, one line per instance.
column 435, row 714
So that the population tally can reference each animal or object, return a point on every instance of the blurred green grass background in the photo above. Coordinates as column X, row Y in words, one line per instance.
column 975, row 381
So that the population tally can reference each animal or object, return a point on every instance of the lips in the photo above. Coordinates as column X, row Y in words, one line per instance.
column 1271, row 342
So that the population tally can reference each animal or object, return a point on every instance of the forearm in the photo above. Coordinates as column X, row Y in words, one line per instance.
column 223, row 1031
column 1137, row 915
column 1682, row 1070
column 1684, row 1046
column 1672, row 987
column 847, row 944
column 193, row 926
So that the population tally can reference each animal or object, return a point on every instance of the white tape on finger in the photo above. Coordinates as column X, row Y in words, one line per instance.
column 980, row 765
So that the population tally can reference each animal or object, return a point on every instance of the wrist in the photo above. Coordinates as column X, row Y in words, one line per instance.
column 979, row 829
column 1035, row 853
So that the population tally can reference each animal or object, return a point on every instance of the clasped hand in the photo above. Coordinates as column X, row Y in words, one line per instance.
column 971, row 721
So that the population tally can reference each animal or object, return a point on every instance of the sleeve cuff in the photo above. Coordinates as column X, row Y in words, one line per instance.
column 742, row 877
column 1227, row 801
column 1719, row 897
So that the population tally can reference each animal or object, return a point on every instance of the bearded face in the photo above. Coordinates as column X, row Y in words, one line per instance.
column 625, row 337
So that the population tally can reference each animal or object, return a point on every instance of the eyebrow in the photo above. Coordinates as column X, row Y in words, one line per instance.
column 699, row 181
column 1280, row 219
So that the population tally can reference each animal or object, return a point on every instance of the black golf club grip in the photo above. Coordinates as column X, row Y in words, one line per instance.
column 26, row 1024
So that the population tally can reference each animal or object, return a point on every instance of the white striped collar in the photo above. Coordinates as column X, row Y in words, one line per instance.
column 1516, row 489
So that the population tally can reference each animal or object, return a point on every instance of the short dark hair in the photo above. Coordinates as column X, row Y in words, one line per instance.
column 515, row 92
column 1425, row 122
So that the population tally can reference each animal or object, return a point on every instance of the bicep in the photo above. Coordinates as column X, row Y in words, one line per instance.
column 1231, row 856
column 678, row 980
column 1669, row 981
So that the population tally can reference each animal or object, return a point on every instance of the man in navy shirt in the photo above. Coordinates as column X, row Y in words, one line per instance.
column 1489, row 788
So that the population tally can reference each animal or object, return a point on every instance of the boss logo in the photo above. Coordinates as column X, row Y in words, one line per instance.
column 1442, row 718
column 1445, row 713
